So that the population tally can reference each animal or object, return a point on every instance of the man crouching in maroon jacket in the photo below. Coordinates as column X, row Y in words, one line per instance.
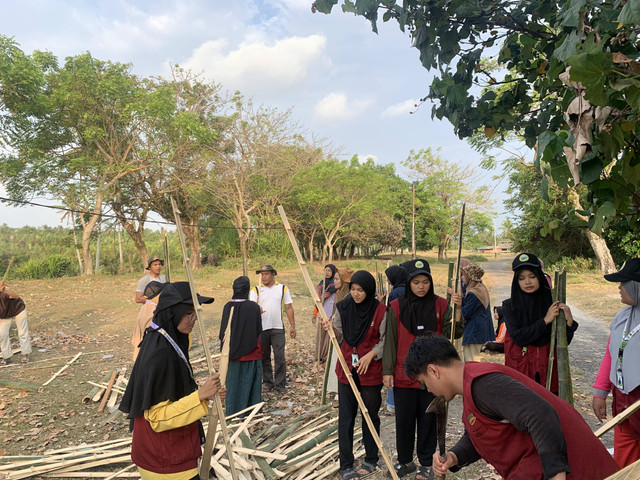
column 519, row 427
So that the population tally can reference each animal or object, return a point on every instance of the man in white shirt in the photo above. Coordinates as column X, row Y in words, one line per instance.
column 154, row 267
column 271, row 295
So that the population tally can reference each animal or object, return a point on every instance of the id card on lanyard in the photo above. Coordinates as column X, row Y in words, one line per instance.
column 625, row 340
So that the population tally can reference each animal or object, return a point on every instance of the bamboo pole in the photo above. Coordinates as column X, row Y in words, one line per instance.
column 457, row 284
column 332, row 336
column 107, row 392
column 213, row 418
column 6, row 272
column 565, row 387
column 223, row 365
column 630, row 472
column 262, row 463
column 41, row 389
column 621, row 417
column 167, row 260
column 554, row 332
column 89, row 396
column 452, row 265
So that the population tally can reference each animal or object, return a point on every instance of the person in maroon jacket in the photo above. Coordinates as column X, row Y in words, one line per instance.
column 359, row 323
column 419, row 312
column 525, row 431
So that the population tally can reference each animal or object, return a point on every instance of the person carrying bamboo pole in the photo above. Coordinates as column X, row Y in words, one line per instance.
column 525, row 431
column 162, row 399
column 13, row 308
column 620, row 368
column 244, row 372
column 419, row 312
column 528, row 315
column 359, row 323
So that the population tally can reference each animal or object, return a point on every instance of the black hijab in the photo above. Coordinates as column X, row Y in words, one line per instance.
column 396, row 275
column 527, row 308
column 246, row 325
column 356, row 317
column 418, row 314
column 329, row 288
column 159, row 374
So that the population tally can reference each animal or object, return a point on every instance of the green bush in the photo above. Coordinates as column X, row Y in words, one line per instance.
column 50, row 266
column 573, row 265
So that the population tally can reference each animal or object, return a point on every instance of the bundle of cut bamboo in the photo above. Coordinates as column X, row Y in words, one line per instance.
column 304, row 447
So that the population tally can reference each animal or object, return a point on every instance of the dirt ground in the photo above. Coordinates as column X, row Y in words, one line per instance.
column 95, row 316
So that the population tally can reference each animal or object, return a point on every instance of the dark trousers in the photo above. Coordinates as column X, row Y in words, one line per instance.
column 244, row 385
column 273, row 339
column 411, row 404
column 347, row 411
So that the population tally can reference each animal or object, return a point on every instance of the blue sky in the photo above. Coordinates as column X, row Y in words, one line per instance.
column 343, row 82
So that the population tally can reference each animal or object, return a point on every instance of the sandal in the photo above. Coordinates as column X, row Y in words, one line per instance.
column 402, row 469
column 349, row 474
column 368, row 469
column 425, row 473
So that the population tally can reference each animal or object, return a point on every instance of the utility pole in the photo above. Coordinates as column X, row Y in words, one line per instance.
column 413, row 220
column 495, row 241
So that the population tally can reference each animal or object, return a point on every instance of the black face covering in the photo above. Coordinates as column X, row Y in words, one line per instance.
column 246, row 324
column 529, row 307
column 357, row 317
column 418, row 314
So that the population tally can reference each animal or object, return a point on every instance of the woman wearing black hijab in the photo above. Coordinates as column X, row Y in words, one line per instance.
column 244, row 373
column 359, row 322
column 528, row 315
column 419, row 312
column 326, row 290
column 162, row 399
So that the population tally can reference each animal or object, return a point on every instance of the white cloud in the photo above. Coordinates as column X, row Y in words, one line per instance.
column 336, row 106
column 363, row 157
column 399, row 109
column 256, row 66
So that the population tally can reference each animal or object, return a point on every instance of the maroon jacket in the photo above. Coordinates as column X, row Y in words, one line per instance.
column 371, row 339
column 406, row 338
column 532, row 362
column 158, row 452
column 512, row 452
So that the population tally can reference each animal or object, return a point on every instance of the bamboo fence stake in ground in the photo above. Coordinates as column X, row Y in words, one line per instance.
column 213, row 419
column 41, row 389
column 457, row 284
column 332, row 336
column 107, row 392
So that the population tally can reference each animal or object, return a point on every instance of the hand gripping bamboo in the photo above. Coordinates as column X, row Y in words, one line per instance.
column 334, row 342
column 217, row 403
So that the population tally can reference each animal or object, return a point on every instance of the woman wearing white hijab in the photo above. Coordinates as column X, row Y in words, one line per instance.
column 620, row 368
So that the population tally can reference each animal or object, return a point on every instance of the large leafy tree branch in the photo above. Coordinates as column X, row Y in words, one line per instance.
column 534, row 43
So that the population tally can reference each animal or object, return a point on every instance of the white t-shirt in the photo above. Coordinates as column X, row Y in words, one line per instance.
column 271, row 299
column 147, row 279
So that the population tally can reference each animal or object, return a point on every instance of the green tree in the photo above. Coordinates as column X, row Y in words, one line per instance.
column 577, row 58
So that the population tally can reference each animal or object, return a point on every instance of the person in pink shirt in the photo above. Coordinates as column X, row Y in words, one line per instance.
column 619, row 372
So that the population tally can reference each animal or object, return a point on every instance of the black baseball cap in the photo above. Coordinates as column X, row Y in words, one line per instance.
column 525, row 260
column 419, row 266
column 179, row 292
column 630, row 271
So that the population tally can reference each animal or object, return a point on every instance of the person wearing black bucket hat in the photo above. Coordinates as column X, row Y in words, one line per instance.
column 528, row 315
column 162, row 399
column 619, row 372
column 419, row 312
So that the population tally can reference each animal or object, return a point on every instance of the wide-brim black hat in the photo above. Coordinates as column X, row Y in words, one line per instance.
column 630, row 271
column 525, row 260
column 266, row 268
column 179, row 292
column 419, row 266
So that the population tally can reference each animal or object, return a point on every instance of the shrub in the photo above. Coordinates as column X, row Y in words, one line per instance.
column 50, row 266
column 573, row 265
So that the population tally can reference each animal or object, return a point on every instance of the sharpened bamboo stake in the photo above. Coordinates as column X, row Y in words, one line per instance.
column 334, row 341
column 41, row 389
column 213, row 419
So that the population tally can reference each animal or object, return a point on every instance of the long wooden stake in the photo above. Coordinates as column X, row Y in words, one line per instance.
column 457, row 284
column 6, row 272
column 107, row 392
column 167, row 260
column 565, row 387
column 334, row 341
column 223, row 365
column 41, row 389
column 554, row 333
column 213, row 419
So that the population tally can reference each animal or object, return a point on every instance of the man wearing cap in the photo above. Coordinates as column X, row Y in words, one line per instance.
column 154, row 275
column 271, row 295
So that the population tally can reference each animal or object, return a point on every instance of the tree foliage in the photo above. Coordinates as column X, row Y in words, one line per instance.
column 535, row 42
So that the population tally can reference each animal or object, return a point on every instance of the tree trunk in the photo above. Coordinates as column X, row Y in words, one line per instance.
column 441, row 252
column 75, row 243
column 87, row 228
column 195, row 245
column 598, row 243
column 311, row 249
column 136, row 235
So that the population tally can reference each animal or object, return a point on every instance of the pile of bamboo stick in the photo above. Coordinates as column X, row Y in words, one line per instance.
column 303, row 447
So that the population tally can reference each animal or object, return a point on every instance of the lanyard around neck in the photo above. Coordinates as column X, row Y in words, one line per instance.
column 173, row 343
